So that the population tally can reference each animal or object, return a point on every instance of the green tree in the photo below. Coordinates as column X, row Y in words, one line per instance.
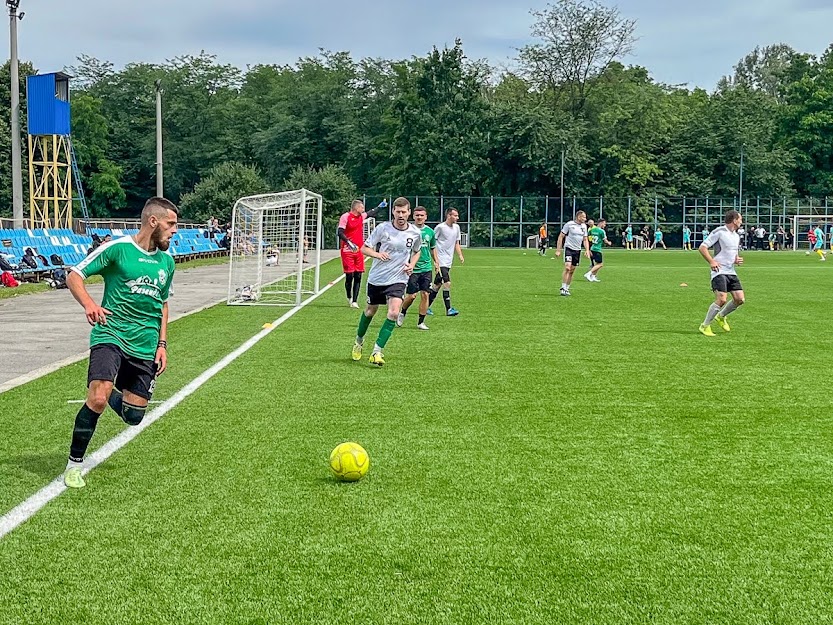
column 216, row 194
column 333, row 184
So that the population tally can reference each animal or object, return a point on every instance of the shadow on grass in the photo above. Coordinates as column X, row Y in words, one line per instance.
column 47, row 465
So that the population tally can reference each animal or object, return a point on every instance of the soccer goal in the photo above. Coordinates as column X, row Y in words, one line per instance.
column 275, row 249
column 533, row 242
column 803, row 224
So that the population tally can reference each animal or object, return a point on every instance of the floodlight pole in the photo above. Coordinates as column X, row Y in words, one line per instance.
column 17, row 174
column 562, row 187
column 740, row 183
column 160, row 186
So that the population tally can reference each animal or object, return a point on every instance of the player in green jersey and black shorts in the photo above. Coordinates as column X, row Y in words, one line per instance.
column 128, row 342
column 598, row 239
column 420, row 280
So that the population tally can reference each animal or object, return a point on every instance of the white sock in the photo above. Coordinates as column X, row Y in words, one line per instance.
column 377, row 349
column 714, row 309
column 360, row 340
column 563, row 285
column 71, row 464
column 728, row 308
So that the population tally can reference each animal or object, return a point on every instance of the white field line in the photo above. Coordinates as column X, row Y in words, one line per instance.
column 26, row 510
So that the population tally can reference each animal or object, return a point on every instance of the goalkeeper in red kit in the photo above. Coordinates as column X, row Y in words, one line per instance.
column 351, row 239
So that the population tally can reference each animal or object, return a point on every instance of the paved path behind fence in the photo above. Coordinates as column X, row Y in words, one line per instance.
column 42, row 332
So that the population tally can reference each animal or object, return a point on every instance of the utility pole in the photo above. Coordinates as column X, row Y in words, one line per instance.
column 160, row 187
column 740, row 183
column 17, row 174
column 562, row 187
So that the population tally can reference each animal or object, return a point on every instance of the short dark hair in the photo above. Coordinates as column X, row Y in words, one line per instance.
column 421, row 208
column 159, row 207
column 401, row 201
column 355, row 203
column 730, row 216
column 449, row 209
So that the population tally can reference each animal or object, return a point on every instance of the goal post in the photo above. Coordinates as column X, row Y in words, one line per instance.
column 801, row 225
column 275, row 248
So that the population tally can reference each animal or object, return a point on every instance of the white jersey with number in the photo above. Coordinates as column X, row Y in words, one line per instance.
column 575, row 233
column 400, row 245
column 726, row 244
column 447, row 237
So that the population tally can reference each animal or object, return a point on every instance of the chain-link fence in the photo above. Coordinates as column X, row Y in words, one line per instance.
column 513, row 221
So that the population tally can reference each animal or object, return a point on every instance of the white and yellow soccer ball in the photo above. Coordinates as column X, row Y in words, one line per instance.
column 349, row 462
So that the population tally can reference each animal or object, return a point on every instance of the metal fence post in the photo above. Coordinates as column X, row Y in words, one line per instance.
column 492, row 221
column 629, row 210
column 521, row 223
column 601, row 207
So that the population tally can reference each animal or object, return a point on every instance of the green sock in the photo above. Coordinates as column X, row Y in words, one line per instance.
column 364, row 324
column 385, row 332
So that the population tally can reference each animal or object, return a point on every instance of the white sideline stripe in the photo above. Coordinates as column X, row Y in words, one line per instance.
column 26, row 510
column 71, row 360
column 81, row 401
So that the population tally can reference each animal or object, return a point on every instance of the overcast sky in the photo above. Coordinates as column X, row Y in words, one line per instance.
column 680, row 41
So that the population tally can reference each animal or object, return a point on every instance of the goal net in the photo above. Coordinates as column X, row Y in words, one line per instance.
column 275, row 248
column 803, row 225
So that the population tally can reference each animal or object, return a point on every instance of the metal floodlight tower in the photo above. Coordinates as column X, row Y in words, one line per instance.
column 17, row 174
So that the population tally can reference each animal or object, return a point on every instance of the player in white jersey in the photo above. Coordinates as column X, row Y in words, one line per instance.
column 572, row 238
column 726, row 242
column 394, row 246
column 448, row 243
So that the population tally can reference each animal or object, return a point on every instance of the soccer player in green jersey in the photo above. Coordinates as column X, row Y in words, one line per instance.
column 598, row 239
column 128, row 346
column 420, row 280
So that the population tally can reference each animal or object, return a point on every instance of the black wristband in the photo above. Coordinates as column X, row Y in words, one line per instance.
column 162, row 344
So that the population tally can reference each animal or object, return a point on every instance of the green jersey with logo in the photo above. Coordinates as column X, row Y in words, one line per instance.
column 429, row 242
column 136, row 285
column 597, row 238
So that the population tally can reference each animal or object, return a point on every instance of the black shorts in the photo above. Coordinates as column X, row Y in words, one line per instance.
column 544, row 242
column 572, row 256
column 378, row 295
column 419, row 282
column 443, row 276
column 109, row 363
column 724, row 283
column 596, row 257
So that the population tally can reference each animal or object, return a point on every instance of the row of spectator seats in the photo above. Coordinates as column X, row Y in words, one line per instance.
column 72, row 248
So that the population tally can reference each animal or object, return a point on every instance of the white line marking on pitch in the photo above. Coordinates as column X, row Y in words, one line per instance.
column 26, row 510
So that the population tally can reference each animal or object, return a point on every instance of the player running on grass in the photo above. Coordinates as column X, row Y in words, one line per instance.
column 598, row 239
column 351, row 238
column 394, row 246
column 818, row 246
column 420, row 280
column 726, row 242
column 130, row 326
column 573, row 237
column 448, row 244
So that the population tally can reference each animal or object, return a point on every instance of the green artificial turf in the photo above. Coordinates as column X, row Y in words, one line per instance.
column 538, row 459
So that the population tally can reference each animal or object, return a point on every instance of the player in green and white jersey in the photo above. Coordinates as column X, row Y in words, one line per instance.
column 420, row 280
column 598, row 239
column 128, row 344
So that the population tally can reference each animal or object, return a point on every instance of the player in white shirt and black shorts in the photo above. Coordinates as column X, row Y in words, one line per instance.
column 448, row 243
column 573, row 238
column 394, row 246
column 726, row 242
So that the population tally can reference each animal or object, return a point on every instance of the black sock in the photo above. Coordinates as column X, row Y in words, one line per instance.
column 432, row 295
column 116, row 401
column 447, row 299
column 422, row 319
column 348, row 285
column 357, row 285
column 82, row 433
